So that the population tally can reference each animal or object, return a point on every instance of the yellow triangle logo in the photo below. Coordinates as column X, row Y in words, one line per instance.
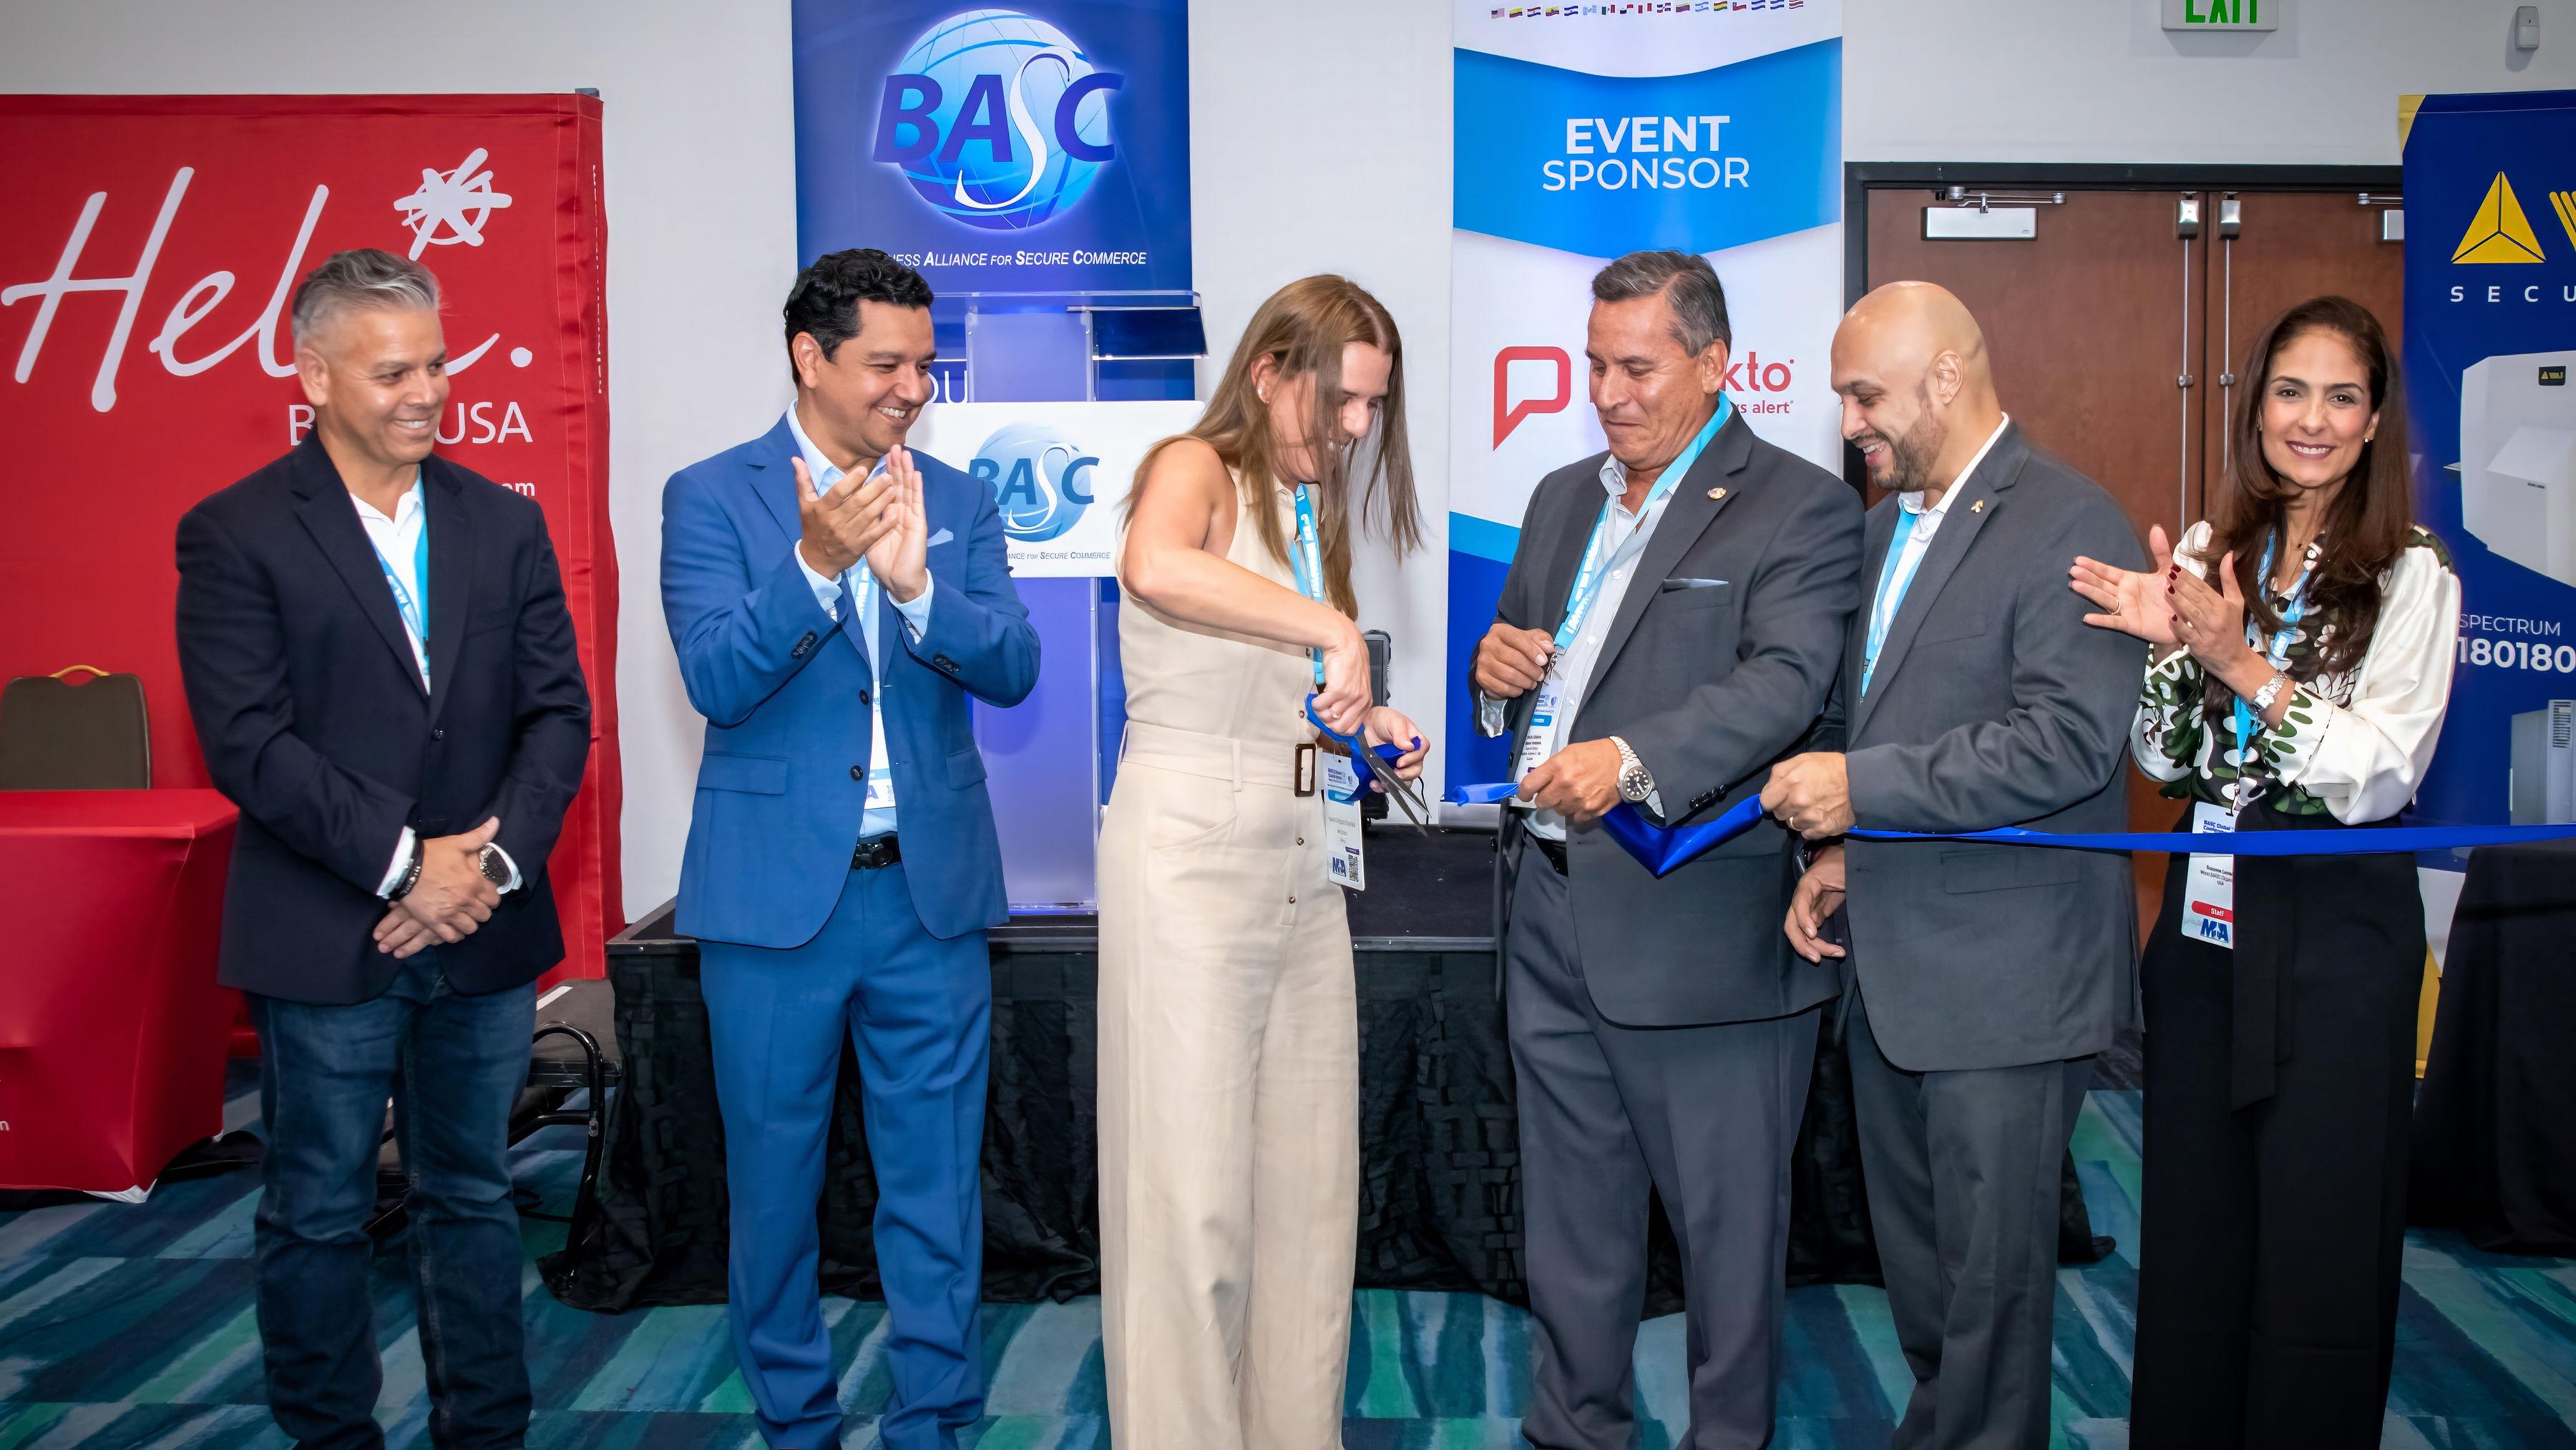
column 2500, row 232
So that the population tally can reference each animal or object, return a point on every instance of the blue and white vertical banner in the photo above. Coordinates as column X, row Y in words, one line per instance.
column 1041, row 147
column 2490, row 342
column 1588, row 131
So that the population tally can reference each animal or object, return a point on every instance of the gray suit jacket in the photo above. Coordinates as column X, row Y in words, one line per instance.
column 1722, row 653
column 1994, row 705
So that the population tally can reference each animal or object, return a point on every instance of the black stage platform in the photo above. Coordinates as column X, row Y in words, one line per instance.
column 1440, row 1179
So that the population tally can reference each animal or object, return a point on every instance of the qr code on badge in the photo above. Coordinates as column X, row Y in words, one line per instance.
column 1346, row 866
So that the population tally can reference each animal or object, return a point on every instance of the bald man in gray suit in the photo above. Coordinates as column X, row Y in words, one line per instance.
column 1972, row 696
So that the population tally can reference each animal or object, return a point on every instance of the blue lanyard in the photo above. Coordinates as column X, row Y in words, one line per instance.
column 1587, row 578
column 1882, row 620
column 414, row 611
column 2279, row 654
column 1308, row 557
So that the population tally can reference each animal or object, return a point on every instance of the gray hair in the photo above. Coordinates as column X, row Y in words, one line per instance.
column 1688, row 285
column 359, row 278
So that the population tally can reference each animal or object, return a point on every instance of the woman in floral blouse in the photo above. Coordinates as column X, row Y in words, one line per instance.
column 2300, row 650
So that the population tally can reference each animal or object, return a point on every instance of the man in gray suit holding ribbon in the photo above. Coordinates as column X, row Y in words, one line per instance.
column 1670, row 627
column 1972, row 696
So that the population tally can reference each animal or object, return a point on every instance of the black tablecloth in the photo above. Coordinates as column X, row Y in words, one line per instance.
column 2495, row 1124
column 1440, row 1177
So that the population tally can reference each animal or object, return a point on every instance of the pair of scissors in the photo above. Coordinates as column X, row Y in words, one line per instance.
column 1406, row 794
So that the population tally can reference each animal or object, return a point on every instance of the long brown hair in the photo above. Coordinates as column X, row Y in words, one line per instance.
column 1303, row 329
column 2369, row 523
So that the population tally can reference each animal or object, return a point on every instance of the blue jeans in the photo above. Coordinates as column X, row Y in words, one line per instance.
column 919, row 1010
column 453, row 1066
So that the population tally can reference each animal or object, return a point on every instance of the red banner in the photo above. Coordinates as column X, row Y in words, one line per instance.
column 151, row 247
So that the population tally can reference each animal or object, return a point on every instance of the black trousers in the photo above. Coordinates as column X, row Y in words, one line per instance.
column 2269, row 1255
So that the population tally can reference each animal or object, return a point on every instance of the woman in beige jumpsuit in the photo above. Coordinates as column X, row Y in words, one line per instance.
column 1229, row 1037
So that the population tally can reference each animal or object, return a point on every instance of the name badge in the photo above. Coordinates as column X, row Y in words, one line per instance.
column 1344, row 861
column 2209, row 884
column 1538, row 742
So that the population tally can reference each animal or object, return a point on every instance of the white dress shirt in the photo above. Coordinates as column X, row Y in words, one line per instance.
column 2357, row 743
column 1927, row 522
column 1582, row 655
column 862, row 586
column 397, row 543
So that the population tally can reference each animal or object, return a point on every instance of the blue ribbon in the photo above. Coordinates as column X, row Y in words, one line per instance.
column 1661, row 849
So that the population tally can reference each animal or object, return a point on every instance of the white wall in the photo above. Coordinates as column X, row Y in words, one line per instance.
column 1321, row 142
column 2100, row 80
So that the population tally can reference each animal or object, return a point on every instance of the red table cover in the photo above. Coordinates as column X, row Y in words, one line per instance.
column 112, row 1030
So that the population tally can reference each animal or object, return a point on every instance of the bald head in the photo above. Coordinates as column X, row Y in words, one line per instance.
column 1918, row 396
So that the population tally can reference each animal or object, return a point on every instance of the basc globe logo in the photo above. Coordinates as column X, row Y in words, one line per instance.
column 998, row 119
column 1041, row 483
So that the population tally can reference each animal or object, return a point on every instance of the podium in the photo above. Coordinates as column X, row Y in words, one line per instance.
column 1050, row 760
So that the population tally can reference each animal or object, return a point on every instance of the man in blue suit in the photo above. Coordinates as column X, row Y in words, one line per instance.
column 834, row 600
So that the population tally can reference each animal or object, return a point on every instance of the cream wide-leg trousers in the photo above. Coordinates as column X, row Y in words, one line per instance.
column 1229, row 1103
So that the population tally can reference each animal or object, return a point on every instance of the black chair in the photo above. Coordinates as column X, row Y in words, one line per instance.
column 575, row 1052
column 56, row 735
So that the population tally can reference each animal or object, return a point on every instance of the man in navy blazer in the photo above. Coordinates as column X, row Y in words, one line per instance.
column 835, row 599
column 382, row 675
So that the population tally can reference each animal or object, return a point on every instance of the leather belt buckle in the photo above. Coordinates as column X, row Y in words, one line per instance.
column 875, row 852
column 1305, row 769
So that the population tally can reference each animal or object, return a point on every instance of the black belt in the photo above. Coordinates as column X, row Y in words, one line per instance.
column 1554, row 851
column 876, row 851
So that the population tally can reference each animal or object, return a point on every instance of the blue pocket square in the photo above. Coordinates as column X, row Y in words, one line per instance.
column 937, row 539
column 1676, row 585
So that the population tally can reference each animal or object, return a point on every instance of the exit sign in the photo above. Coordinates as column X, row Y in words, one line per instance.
column 2223, row 14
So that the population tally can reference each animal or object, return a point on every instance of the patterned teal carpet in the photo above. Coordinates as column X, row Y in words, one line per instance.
column 131, row 1327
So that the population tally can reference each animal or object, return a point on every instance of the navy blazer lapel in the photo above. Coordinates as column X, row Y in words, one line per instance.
column 451, row 573
column 325, row 507
column 1972, row 501
column 1691, row 508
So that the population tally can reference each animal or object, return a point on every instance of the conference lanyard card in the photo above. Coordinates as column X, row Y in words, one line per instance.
column 1342, row 824
column 2209, row 887
column 1538, row 741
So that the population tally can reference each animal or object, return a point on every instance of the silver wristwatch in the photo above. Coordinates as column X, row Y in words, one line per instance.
column 1634, row 783
column 2271, row 691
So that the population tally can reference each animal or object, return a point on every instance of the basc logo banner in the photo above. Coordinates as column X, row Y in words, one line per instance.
column 1036, row 148
column 149, row 251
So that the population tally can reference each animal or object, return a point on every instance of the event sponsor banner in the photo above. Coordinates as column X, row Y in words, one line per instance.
column 149, row 252
column 1040, row 148
column 2490, row 339
column 1586, row 131
column 1059, row 471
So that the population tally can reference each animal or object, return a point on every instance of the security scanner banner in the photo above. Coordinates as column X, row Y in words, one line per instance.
column 2490, row 338
column 1587, row 131
column 152, row 247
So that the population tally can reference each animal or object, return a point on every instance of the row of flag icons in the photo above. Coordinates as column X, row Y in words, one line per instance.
column 1658, row 7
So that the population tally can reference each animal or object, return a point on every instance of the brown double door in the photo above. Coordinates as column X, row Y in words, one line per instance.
column 2119, row 343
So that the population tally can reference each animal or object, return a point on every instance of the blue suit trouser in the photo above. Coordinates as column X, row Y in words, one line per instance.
column 918, row 1009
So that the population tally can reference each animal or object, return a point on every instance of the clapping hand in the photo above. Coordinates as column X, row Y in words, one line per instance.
column 2132, row 601
column 846, row 523
column 2211, row 621
column 900, row 556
